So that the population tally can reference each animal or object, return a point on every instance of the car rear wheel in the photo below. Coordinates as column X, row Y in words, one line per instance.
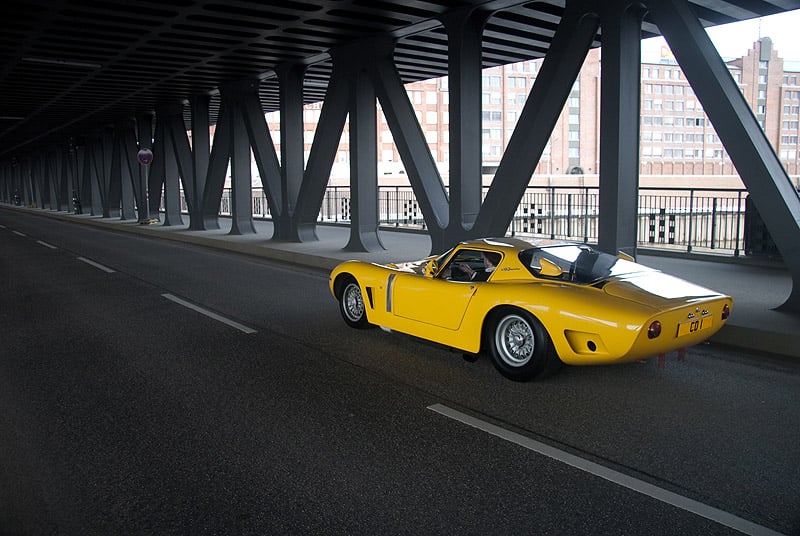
column 351, row 304
column 520, row 346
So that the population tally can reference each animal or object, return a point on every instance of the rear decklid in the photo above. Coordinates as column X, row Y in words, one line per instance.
column 657, row 289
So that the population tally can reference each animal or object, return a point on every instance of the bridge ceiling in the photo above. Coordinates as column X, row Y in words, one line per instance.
column 68, row 67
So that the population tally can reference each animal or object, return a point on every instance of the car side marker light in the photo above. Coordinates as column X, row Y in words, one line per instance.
column 654, row 330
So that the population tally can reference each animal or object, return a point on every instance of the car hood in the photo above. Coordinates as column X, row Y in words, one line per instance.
column 656, row 289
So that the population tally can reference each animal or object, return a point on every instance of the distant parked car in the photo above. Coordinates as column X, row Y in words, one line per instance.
column 531, row 305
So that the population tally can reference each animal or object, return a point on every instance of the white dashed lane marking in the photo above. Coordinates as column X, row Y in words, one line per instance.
column 97, row 265
column 45, row 244
column 210, row 314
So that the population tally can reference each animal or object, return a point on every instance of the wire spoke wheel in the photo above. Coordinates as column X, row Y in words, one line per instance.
column 515, row 340
column 519, row 345
column 351, row 304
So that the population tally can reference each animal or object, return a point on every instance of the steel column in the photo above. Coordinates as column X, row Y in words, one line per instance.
column 284, row 198
column 144, row 131
column 128, row 169
column 323, row 153
column 464, row 32
column 241, row 176
column 170, row 132
column 63, row 178
column 217, row 168
column 363, row 164
column 201, row 148
column 619, row 126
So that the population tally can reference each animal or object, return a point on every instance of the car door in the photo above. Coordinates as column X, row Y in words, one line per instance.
column 437, row 302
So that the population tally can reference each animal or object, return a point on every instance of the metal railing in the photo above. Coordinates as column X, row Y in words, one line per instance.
column 684, row 219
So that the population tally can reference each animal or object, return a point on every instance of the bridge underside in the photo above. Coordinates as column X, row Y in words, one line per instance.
column 95, row 153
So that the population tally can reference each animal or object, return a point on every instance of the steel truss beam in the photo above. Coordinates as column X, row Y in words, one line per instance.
column 767, row 182
column 560, row 68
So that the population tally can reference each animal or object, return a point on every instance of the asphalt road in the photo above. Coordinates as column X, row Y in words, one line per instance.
column 123, row 411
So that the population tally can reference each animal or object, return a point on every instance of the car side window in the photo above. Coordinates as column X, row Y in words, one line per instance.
column 470, row 265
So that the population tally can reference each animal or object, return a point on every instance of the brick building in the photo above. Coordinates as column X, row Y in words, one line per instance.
column 677, row 137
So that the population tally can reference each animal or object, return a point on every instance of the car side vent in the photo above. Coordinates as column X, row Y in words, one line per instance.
column 369, row 297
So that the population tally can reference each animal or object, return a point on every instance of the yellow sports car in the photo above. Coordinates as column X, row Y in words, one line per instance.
column 531, row 305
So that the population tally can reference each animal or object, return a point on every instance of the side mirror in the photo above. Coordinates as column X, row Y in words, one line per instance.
column 624, row 256
column 548, row 268
column 431, row 268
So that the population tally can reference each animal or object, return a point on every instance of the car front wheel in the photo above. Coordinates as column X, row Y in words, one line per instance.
column 520, row 346
column 351, row 304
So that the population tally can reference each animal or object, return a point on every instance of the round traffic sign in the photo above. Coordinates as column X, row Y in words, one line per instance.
column 145, row 156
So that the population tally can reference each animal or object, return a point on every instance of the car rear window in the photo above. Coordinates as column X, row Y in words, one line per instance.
column 579, row 263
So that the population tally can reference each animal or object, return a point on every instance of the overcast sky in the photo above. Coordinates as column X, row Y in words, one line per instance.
column 733, row 40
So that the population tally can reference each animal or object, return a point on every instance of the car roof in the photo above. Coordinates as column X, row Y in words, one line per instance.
column 506, row 242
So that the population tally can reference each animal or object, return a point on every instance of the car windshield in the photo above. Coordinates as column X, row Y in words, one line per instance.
column 579, row 263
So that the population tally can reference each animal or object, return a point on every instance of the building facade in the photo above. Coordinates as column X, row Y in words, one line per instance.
column 677, row 137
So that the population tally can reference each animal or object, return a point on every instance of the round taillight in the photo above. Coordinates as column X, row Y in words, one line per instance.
column 726, row 311
column 654, row 330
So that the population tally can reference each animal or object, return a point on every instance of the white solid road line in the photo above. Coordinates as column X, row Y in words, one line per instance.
column 621, row 479
column 210, row 314
column 97, row 265
column 45, row 244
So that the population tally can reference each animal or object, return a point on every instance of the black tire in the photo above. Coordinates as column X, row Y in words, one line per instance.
column 351, row 304
column 520, row 347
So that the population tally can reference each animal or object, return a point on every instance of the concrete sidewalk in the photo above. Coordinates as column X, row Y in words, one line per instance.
column 756, row 289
